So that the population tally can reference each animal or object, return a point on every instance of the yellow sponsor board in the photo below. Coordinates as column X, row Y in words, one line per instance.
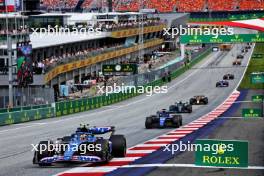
column 133, row 32
column 95, row 59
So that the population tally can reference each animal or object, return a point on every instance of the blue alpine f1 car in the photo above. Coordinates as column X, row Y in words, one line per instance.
column 84, row 146
column 163, row 119
column 222, row 83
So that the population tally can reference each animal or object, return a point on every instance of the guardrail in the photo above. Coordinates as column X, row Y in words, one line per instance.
column 26, row 115
column 22, row 108
column 84, row 104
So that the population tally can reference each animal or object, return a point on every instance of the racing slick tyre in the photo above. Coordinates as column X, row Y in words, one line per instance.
column 205, row 100
column 217, row 85
column 38, row 155
column 173, row 108
column 180, row 120
column 176, row 121
column 104, row 151
column 189, row 108
column 148, row 123
column 192, row 101
column 118, row 145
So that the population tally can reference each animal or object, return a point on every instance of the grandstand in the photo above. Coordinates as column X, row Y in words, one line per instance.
column 161, row 6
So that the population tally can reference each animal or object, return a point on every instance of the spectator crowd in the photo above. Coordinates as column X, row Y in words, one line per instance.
column 162, row 6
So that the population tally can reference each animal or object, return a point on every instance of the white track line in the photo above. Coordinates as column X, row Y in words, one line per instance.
column 150, row 145
column 139, row 151
column 103, row 169
column 124, row 159
column 174, row 135
column 161, row 140
column 240, row 117
column 190, row 166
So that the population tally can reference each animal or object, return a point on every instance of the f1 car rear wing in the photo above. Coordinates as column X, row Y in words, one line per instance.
column 95, row 130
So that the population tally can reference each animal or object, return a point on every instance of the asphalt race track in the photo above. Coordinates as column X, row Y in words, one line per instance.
column 128, row 116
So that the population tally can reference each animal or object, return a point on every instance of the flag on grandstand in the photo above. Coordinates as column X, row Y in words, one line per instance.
column 18, row 5
column 7, row 5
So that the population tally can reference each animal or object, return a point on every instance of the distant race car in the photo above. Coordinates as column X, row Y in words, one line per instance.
column 248, row 47
column 237, row 62
column 222, row 83
column 83, row 146
column 228, row 76
column 198, row 100
column 244, row 50
column 240, row 56
column 180, row 107
column 163, row 119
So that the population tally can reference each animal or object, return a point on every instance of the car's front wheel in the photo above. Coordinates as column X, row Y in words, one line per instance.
column 43, row 152
column 118, row 145
column 148, row 123
column 206, row 101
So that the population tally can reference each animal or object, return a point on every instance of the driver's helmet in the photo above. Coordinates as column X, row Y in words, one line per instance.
column 163, row 110
column 83, row 128
column 83, row 137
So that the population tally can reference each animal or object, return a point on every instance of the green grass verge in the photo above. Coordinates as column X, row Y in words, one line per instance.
column 255, row 65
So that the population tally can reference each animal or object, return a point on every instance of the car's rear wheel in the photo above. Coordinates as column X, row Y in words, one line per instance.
column 148, row 122
column 173, row 108
column 118, row 145
column 192, row 101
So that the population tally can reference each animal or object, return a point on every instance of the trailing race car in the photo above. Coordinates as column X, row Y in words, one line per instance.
column 244, row 50
column 222, row 83
column 198, row 100
column 180, row 107
column 237, row 62
column 228, row 76
column 85, row 145
column 240, row 56
column 163, row 119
